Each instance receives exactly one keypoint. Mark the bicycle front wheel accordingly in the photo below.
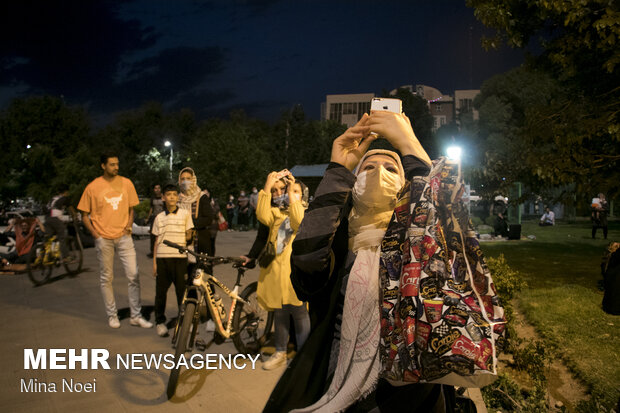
(73, 262)
(182, 346)
(251, 323)
(38, 272)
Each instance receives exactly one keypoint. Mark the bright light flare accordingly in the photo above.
(454, 152)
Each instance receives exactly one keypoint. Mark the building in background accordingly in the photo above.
(445, 109)
(464, 102)
(441, 106)
(346, 109)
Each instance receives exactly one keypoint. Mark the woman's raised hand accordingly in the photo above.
(348, 148)
(271, 180)
(396, 128)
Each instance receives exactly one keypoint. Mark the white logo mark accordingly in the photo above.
(114, 201)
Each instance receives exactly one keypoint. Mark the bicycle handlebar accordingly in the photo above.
(204, 257)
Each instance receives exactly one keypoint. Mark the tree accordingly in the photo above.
(139, 135)
(416, 109)
(44, 137)
(299, 141)
(528, 134)
(230, 155)
(581, 119)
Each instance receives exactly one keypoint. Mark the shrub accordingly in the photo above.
(532, 357)
(142, 209)
(476, 221)
(507, 281)
(490, 220)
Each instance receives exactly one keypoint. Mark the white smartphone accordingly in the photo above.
(386, 104)
(283, 173)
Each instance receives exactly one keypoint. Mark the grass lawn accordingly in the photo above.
(562, 267)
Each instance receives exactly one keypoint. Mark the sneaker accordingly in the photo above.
(140, 321)
(162, 330)
(210, 326)
(113, 322)
(278, 359)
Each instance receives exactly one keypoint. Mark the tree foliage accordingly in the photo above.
(576, 35)
(43, 137)
(139, 137)
(230, 155)
(555, 121)
(416, 109)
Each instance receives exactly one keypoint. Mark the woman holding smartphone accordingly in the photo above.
(337, 260)
(281, 206)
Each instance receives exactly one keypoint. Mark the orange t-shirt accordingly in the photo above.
(108, 205)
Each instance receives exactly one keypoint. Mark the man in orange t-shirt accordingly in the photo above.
(107, 212)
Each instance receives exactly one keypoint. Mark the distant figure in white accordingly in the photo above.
(548, 218)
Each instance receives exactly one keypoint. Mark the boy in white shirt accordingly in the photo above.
(169, 265)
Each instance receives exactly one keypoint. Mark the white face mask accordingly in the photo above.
(185, 185)
(376, 188)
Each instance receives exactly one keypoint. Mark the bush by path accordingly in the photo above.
(561, 268)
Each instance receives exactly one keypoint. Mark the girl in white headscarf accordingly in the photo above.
(199, 205)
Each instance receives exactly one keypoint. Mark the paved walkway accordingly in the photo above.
(69, 313)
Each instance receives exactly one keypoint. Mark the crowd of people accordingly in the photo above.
(241, 212)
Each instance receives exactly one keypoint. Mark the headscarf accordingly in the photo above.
(357, 367)
(305, 193)
(283, 200)
(285, 232)
(374, 198)
(192, 194)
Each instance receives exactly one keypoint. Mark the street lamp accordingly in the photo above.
(454, 152)
(169, 144)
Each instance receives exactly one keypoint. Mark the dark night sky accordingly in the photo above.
(212, 56)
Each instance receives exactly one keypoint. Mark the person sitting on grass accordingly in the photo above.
(548, 218)
(169, 265)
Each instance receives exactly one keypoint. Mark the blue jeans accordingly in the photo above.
(106, 248)
(282, 325)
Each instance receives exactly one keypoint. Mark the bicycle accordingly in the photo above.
(247, 323)
(46, 255)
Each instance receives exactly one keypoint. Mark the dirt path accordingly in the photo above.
(563, 386)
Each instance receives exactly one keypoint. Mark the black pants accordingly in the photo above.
(242, 219)
(500, 227)
(212, 249)
(422, 398)
(13, 258)
(169, 271)
(595, 227)
(153, 238)
(54, 226)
